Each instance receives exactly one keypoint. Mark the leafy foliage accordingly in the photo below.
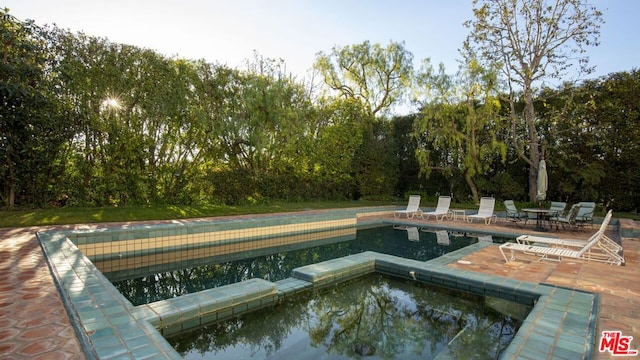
(593, 132)
(33, 122)
(374, 75)
(459, 123)
(531, 41)
(84, 121)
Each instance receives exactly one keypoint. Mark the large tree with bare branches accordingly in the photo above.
(532, 41)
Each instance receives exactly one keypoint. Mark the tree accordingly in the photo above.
(372, 74)
(531, 40)
(458, 122)
(32, 124)
(616, 105)
(376, 77)
(595, 136)
(257, 122)
(137, 134)
(335, 142)
(409, 178)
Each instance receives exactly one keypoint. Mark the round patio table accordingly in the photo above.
(541, 214)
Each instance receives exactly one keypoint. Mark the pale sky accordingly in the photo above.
(228, 31)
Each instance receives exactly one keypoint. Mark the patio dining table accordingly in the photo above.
(541, 216)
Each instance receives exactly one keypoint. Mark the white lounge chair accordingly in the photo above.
(413, 207)
(442, 209)
(567, 243)
(598, 247)
(572, 243)
(485, 211)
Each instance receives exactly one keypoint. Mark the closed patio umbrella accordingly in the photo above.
(542, 181)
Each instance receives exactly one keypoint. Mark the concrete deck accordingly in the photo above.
(34, 323)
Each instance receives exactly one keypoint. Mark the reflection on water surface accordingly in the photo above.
(377, 317)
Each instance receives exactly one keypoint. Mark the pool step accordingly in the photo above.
(193, 310)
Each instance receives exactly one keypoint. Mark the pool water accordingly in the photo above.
(143, 286)
(376, 316)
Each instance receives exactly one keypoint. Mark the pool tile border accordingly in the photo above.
(193, 310)
(562, 321)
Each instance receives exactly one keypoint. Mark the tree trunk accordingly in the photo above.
(472, 186)
(534, 142)
(11, 199)
(12, 196)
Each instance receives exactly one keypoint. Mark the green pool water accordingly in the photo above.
(374, 317)
(144, 285)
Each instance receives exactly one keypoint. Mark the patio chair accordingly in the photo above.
(569, 219)
(605, 241)
(567, 243)
(598, 247)
(512, 213)
(559, 242)
(585, 215)
(556, 209)
(413, 207)
(442, 209)
(485, 211)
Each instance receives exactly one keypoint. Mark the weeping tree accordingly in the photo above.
(531, 41)
(458, 121)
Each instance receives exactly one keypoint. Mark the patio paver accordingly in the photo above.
(33, 321)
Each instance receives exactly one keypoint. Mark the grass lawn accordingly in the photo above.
(78, 215)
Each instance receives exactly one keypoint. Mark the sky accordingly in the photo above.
(229, 31)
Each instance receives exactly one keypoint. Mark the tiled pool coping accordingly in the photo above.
(561, 324)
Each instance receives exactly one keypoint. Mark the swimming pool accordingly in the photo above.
(109, 326)
(375, 316)
(146, 284)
